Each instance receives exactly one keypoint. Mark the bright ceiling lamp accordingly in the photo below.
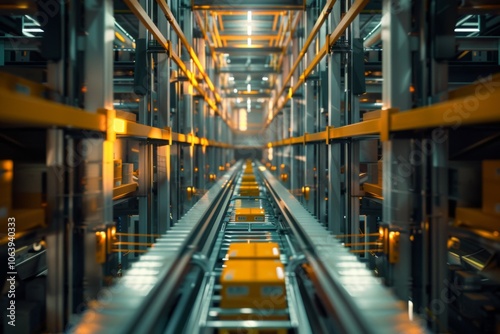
(249, 16)
(249, 30)
(467, 30)
(249, 88)
(249, 41)
(265, 78)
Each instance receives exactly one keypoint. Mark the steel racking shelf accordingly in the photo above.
(440, 115)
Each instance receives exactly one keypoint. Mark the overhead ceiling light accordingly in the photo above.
(249, 30)
(231, 78)
(235, 90)
(33, 30)
(238, 100)
(265, 78)
(467, 30)
(249, 41)
(249, 88)
(249, 16)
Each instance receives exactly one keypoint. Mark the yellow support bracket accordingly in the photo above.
(110, 123)
(385, 123)
(327, 137)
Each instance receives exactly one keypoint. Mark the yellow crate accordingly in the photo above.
(268, 250)
(253, 250)
(248, 178)
(258, 284)
(241, 250)
(249, 191)
(249, 184)
(249, 215)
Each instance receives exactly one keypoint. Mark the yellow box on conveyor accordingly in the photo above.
(248, 178)
(253, 250)
(258, 284)
(249, 184)
(249, 191)
(249, 215)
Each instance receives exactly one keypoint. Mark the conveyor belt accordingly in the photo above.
(134, 303)
(208, 316)
(146, 299)
(359, 300)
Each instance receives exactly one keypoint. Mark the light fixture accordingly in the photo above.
(32, 30)
(249, 16)
(249, 30)
(249, 41)
(265, 78)
(235, 90)
(249, 88)
(231, 78)
(467, 30)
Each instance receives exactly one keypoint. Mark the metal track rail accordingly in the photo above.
(353, 297)
(207, 316)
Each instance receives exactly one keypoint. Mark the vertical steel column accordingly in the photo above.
(56, 303)
(334, 91)
(438, 228)
(212, 167)
(202, 153)
(310, 109)
(163, 152)
(352, 148)
(99, 72)
(145, 189)
(294, 114)
(163, 188)
(438, 218)
(163, 77)
(100, 28)
(175, 108)
(321, 124)
(218, 150)
(188, 165)
(397, 209)
(397, 172)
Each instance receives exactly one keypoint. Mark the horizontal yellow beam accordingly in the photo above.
(480, 107)
(124, 190)
(371, 127)
(19, 109)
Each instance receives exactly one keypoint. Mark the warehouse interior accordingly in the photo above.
(254, 167)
